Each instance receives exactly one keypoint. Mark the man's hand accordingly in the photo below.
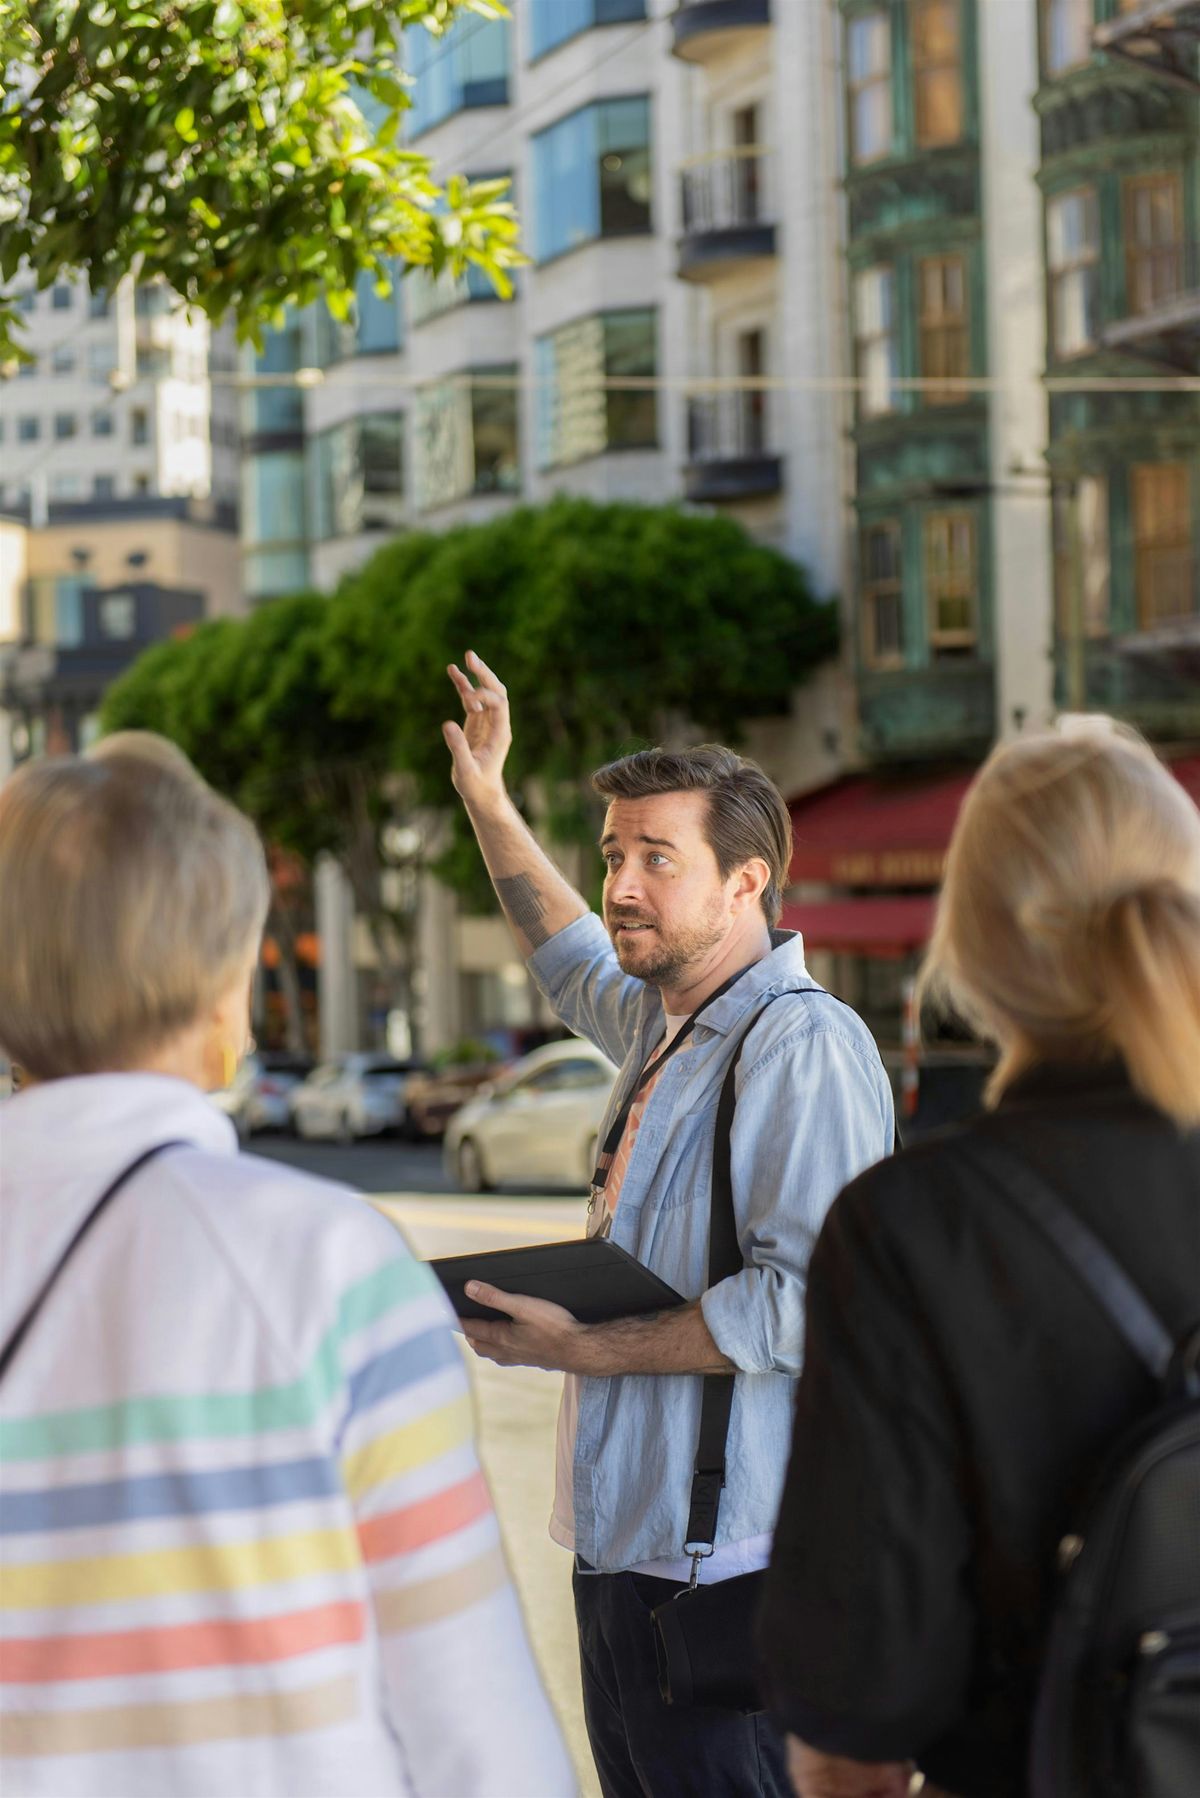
(479, 746)
(540, 1334)
(544, 1335)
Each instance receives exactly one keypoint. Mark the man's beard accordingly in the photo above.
(662, 959)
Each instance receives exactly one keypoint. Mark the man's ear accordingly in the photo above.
(750, 883)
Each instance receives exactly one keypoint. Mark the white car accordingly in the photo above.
(539, 1123)
(352, 1096)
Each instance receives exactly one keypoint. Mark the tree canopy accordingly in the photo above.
(249, 154)
(612, 626)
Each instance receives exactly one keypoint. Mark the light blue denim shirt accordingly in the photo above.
(814, 1108)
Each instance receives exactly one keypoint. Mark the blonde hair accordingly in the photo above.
(1069, 923)
(131, 896)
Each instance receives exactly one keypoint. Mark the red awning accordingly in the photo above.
(869, 832)
(1187, 772)
(885, 929)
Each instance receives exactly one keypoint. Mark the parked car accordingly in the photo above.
(257, 1098)
(356, 1095)
(434, 1097)
(539, 1123)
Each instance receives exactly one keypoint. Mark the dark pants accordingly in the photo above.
(642, 1747)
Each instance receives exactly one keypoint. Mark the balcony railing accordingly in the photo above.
(727, 213)
(725, 191)
(728, 437)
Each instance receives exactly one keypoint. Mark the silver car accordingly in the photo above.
(352, 1096)
(539, 1123)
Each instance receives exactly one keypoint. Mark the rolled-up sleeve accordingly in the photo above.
(812, 1113)
(581, 978)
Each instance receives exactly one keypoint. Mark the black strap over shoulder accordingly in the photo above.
(9, 1351)
(724, 1260)
(1120, 1300)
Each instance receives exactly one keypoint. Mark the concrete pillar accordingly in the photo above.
(336, 985)
(1012, 212)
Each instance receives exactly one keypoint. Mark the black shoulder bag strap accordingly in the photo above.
(1088, 1258)
(9, 1351)
(724, 1260)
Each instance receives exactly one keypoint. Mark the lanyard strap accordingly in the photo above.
(612, 1141)
(9, 1351)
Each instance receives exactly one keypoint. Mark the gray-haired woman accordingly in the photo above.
(247, 1546)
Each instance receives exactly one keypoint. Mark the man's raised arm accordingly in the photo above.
(538, 901)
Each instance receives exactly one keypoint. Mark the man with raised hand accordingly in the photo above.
(696, 846)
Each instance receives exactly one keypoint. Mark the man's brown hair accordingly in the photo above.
(746, 816)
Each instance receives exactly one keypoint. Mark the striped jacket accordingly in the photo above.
(246, 1544)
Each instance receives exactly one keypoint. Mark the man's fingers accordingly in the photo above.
(466, 692)
(509, 1302)
(484, 674)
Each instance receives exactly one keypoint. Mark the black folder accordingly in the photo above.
(590, 1277)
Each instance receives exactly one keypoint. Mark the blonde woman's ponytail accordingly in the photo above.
(1147, 945)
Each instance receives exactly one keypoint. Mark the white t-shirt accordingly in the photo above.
(731, 1558)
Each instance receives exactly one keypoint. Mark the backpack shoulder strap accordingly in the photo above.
(9, 1351)
(1121, 1301)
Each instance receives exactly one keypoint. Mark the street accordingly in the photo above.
(517, 1406)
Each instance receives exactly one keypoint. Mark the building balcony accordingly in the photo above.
(914, 714)
(728, 454)
(706, 29)
(1163, 323)
(726, 215)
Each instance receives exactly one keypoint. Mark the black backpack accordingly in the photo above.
(1118, 1711)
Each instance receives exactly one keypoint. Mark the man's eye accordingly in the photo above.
(656, 857)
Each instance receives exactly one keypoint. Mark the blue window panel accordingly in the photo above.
(591, 176)
(377, 317)
(466, 67)
(552, 22)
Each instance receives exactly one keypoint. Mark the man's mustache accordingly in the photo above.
(626, 917)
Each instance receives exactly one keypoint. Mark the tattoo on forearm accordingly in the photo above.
(525, 906)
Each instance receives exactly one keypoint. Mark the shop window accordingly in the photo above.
(1073, 257)
(937, 71)
(1153, 241)
(882, 596)
(877, 353)
(578, 414)
(1082, 564)
(1165, 574)
(869, 61)
(945, 342)
(592, 176)
(951, 581)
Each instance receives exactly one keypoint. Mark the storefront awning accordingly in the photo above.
(869, 832)
(884, 929)
(865, 831)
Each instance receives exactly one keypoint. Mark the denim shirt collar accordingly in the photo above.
(784, 966)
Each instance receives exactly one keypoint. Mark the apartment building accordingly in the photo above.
(127, 395)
